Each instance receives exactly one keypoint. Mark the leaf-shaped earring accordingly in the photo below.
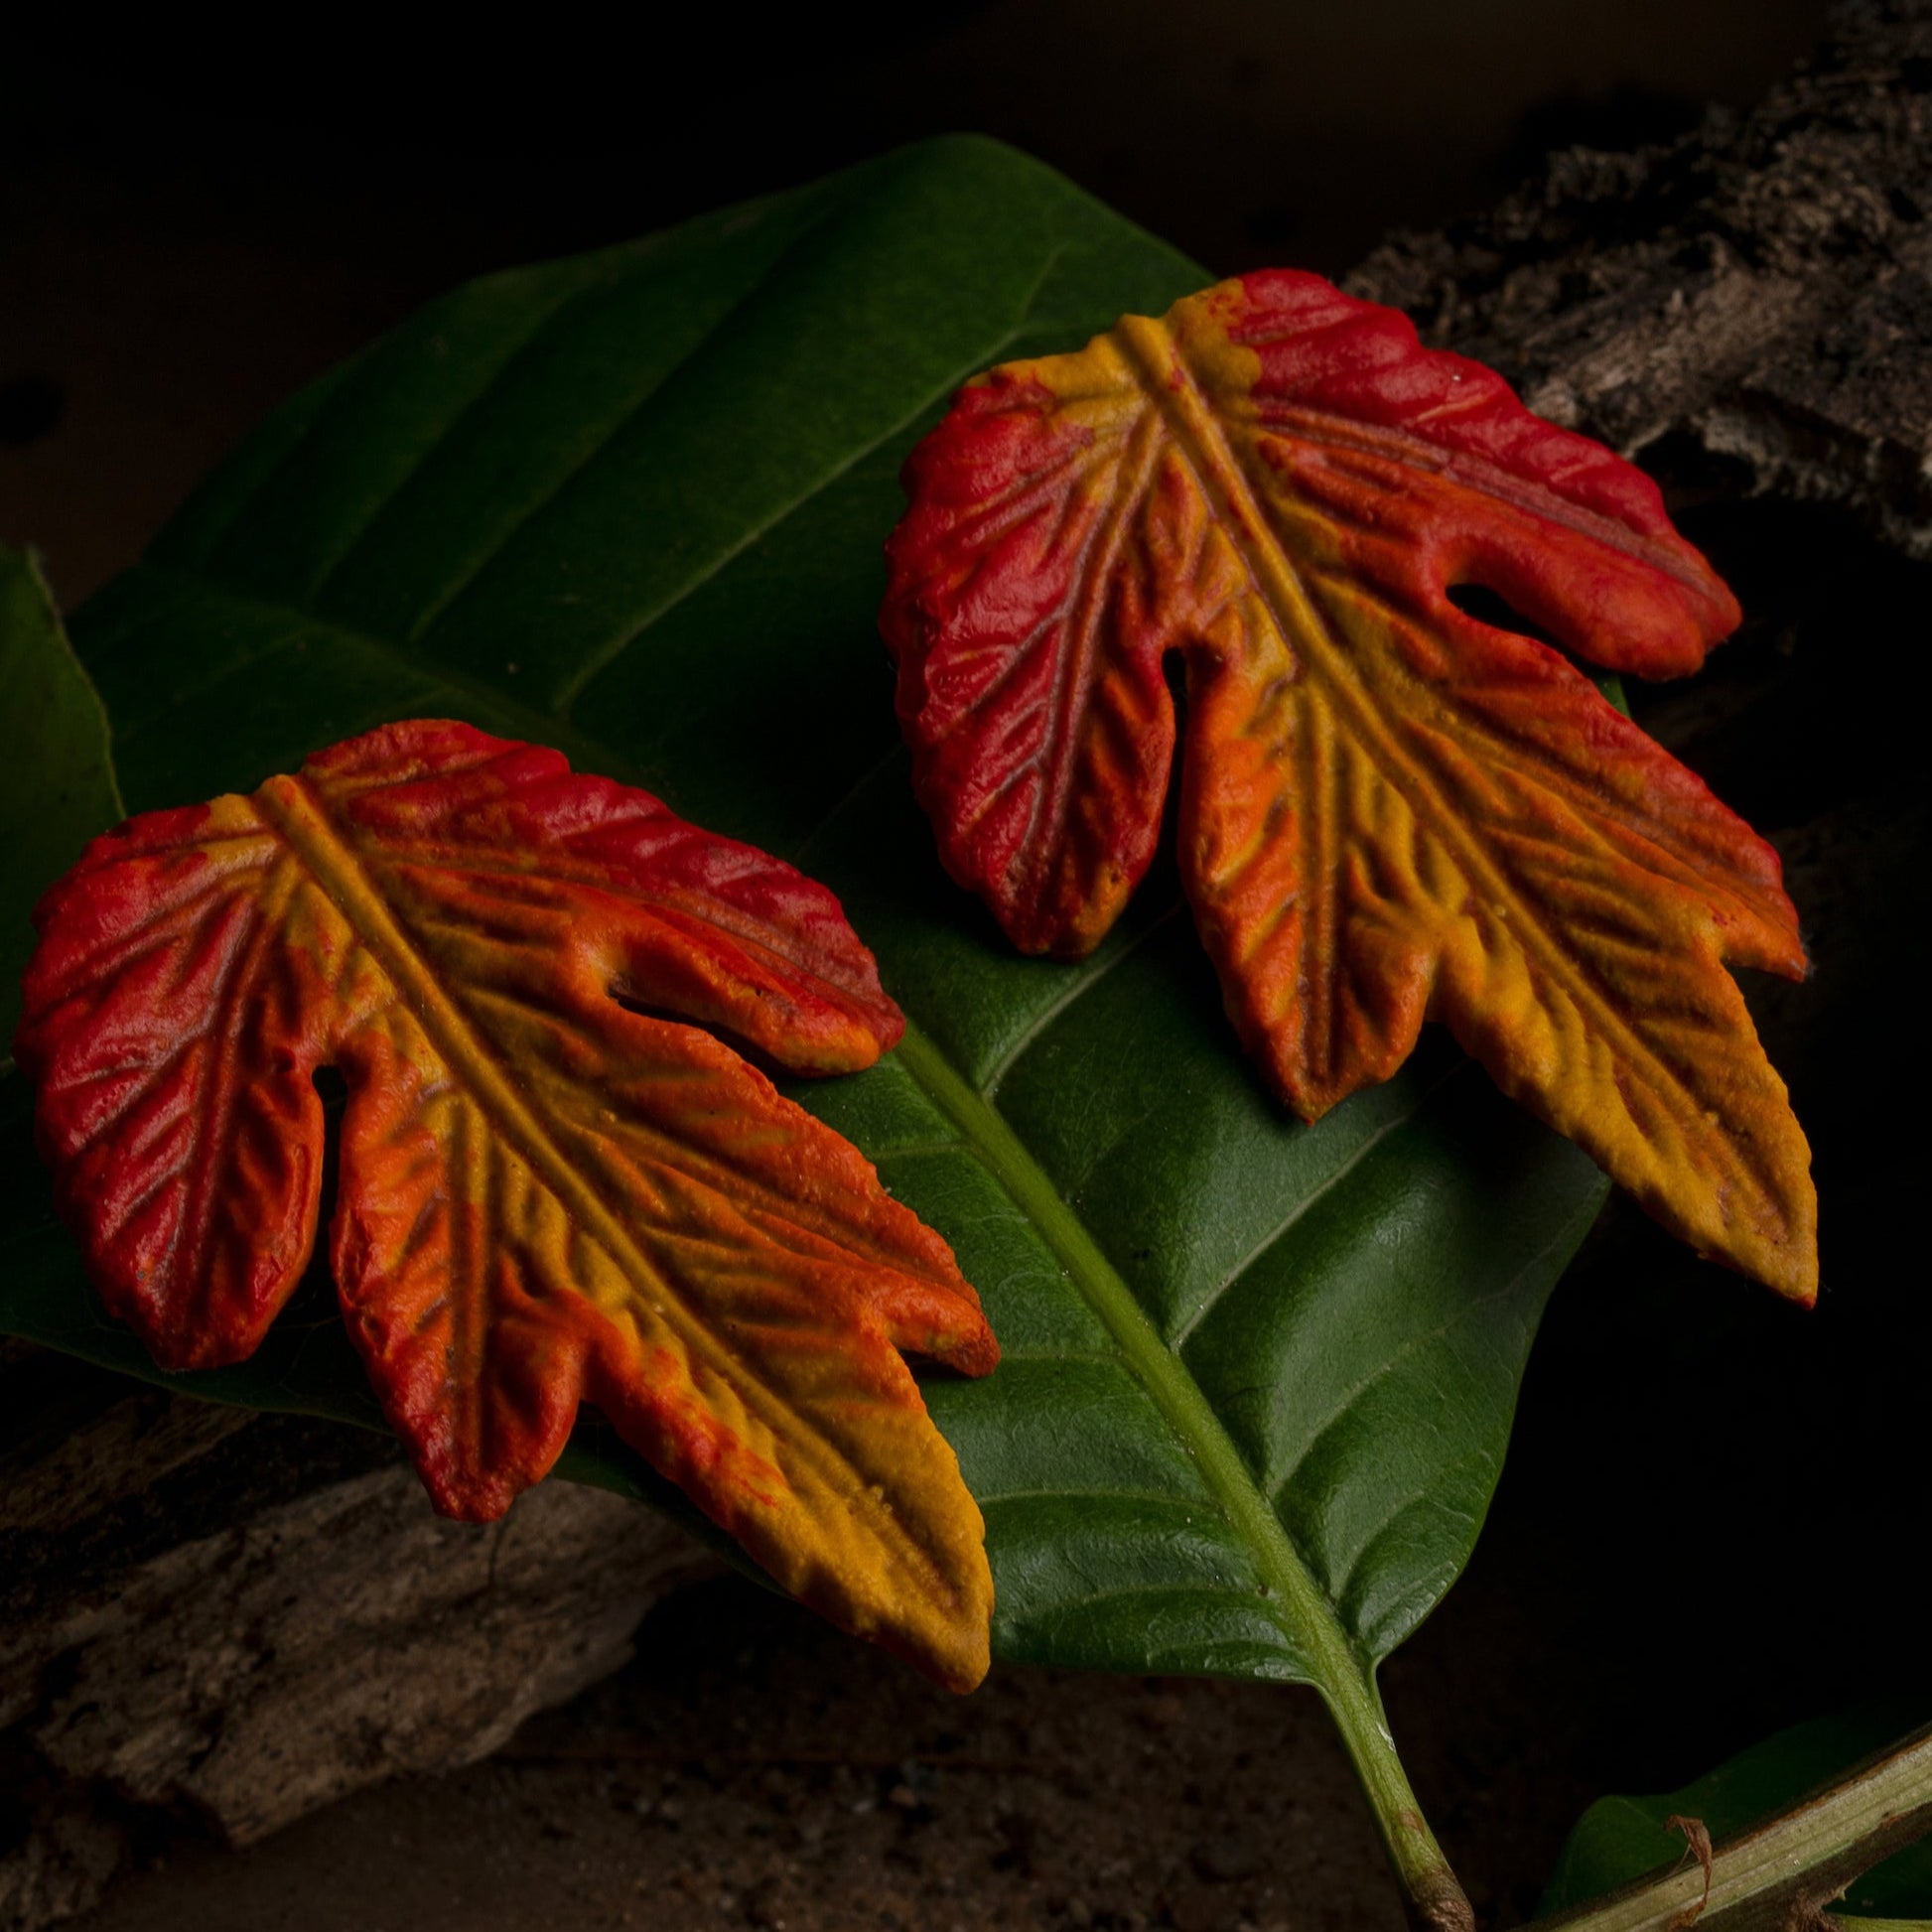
(545, 1197)
(1389, 810)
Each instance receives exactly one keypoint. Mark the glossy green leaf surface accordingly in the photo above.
(1257, 1378)
(57, 782)
(1619, 1839)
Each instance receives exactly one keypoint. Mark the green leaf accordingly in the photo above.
(1618, 1840)
(57, 782)
(1257, 1377)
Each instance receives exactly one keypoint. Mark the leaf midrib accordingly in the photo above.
(303, 822)
(1307, 1617)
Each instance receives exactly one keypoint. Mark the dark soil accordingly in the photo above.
(753, 1769)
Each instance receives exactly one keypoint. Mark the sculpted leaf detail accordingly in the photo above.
(548, 1192)
(1389, 810)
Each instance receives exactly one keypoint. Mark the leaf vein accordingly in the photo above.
(606, 654)
(1095, 972)
(1205, 1307)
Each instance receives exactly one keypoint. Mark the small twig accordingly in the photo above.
(1782, 1873)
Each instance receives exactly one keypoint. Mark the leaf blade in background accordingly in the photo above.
(57, 784)
(1623, 1838)
(1099, 1157)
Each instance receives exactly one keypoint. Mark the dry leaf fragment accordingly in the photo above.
(544, 1198)
(1389, 810)
(1697, 1844)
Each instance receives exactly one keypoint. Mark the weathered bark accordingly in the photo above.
(1761, 288)
(240, 1618)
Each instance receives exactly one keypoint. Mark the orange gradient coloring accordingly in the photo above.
(552, 1191)
(1389, 810)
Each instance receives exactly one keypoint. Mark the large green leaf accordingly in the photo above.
(1258, 1378)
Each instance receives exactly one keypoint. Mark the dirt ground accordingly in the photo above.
(753, 1770)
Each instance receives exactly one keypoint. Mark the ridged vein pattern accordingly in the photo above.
(549, 1192)
(1389, 810)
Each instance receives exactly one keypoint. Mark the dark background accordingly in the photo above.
(1693, 1542)
(191, 225)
